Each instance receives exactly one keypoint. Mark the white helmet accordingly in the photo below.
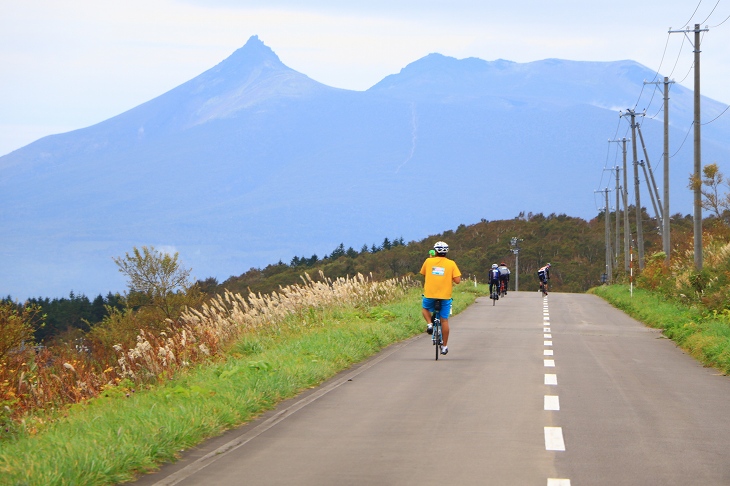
(494, 265)
(441, 248)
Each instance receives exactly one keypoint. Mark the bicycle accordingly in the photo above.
(438, 336)
(502, 288)
(543, 288)
(495, 293)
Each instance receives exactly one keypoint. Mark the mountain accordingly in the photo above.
(252, 162)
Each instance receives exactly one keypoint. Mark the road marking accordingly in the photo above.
(552, 402)
(554, 439)
(553, 435)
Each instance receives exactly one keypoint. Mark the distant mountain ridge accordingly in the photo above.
(252, 162)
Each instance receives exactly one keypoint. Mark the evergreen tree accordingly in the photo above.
(338, 252)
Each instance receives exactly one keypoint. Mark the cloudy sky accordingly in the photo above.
(71, 64)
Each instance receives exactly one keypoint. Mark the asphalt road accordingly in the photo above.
(560, 391)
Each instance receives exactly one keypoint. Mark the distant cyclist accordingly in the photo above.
(440, 274)
(494, 280)
(544, 275)
(504, 276)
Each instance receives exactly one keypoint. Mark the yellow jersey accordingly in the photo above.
(440, 273)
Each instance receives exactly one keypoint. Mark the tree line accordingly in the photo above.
(75, 312)
(575, 248)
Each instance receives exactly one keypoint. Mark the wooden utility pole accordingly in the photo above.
(627, 226)
(618, 227)
(697, 146)
(697, 157)
(666, 244)
(625, 199)
(665, 234)
(637, 190)
(515, 244)
(609, 256)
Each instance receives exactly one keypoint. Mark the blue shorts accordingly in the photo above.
(429, 305)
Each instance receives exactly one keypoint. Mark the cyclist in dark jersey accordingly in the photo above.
(544, 275)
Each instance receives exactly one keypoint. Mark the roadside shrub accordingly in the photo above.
(655, 273)
(136, 347)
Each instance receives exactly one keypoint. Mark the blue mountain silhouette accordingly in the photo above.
(251, 162)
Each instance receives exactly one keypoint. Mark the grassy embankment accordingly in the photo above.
(111, 438)
(705, 336)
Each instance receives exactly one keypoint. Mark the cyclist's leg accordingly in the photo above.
(427, 307)
(445, 314)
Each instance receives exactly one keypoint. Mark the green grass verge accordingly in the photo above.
(705, 337)
(114, 438)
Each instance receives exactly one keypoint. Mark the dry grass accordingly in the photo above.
(33, 379)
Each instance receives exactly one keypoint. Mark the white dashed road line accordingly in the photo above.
(558, 482)
(552, 402)
(554, 439)
(553, 435)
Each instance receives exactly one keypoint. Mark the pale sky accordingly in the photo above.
(71, 64)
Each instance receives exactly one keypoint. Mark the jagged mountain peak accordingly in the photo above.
(253, 54)
(252, 75)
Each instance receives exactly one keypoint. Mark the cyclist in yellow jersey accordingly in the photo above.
(440, 274)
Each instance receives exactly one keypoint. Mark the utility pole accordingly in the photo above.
(515, 244)
(625, 198)
(697, 147)
(614, 257)
(627, 226)
(618, 229)
(666, 246)
(665, 235)
(609, 256)
(637, 190)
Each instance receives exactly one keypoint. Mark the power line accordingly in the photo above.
(678, 56)
(690, 70)
(685, 139)
(718, 116)
(718, 25)
(693, 13)
(711, 12)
